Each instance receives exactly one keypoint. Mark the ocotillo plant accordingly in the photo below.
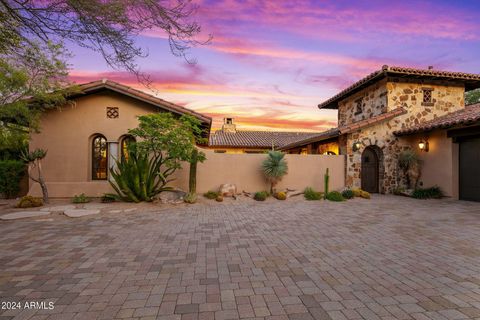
(326, 179)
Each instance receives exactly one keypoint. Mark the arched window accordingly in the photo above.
(99, 158)
(124, 143)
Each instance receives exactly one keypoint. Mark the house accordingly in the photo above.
(84, 139)
(231, 140)
(397, 108)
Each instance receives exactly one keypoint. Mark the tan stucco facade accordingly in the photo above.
(67, 136)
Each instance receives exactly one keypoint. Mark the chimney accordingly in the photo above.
(430, 67)
(228, 125)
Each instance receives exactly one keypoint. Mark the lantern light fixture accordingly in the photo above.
(423, 145)
(356, 146)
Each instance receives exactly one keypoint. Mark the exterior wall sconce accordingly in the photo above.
(423, 145)
(356, 146)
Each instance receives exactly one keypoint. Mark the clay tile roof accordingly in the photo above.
(255, 139)
(129, 91)
(373, 120)
(325, 135)
(335, 132)
(470, 80)
(469, 115)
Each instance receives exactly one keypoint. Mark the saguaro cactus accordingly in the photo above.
(326, 179)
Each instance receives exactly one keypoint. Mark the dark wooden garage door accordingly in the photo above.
(369, 174)
(470, 169)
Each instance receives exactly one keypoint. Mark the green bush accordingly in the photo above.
(211, 195)
(428, 193)
(348, 194)
(261, 195)
(190, 198)
(11, 172)
(29, 202)
(106, 198)
(311, 194)
(335, 196)
(81, 198)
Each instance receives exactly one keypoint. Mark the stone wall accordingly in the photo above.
(398, 94)
(374, 102)
(445, 99)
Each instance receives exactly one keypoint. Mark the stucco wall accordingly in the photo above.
(67, 135)
(440, 163)
(244, 170)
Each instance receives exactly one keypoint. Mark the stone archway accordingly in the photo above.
(372, 168)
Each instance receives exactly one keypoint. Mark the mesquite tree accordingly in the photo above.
(34, 161)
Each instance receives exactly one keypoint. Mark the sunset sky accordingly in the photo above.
(271, 62)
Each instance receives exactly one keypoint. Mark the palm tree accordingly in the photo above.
(274, 168)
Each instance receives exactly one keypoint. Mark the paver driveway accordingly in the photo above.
(387, 258)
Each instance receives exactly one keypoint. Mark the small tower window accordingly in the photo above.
(359, 106)
(228, 120)
(427, 97)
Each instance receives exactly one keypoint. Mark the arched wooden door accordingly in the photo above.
(369, 173)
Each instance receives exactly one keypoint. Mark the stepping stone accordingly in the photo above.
(77, 213)
(24, 214)
(58, 208)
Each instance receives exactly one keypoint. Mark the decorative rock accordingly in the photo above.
(228, 190)
(130, 210)
(115, 211)
(58, 208)
(173, 196)
(24, 214)
(77, 213)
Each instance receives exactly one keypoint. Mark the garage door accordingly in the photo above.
(470, 169)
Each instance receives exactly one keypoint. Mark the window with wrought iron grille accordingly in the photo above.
(427, 97)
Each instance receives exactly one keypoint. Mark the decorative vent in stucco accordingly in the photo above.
(112, 112)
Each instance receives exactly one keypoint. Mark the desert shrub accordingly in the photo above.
(335, 196)
(190, 198)
(347, 194)
(107, 198)
(11, 172)
(211, 195)
(81, 198)
(311, 194)
(29, 202)
(219, 198)
(261, 195)
(274, 168)
(357, 192)
(428, 193)
(280, 195)
(364, 194)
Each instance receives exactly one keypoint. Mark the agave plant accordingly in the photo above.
(409, 162)
(274, 168)
(138, 177)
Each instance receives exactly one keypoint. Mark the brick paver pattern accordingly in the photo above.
(385, 258)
